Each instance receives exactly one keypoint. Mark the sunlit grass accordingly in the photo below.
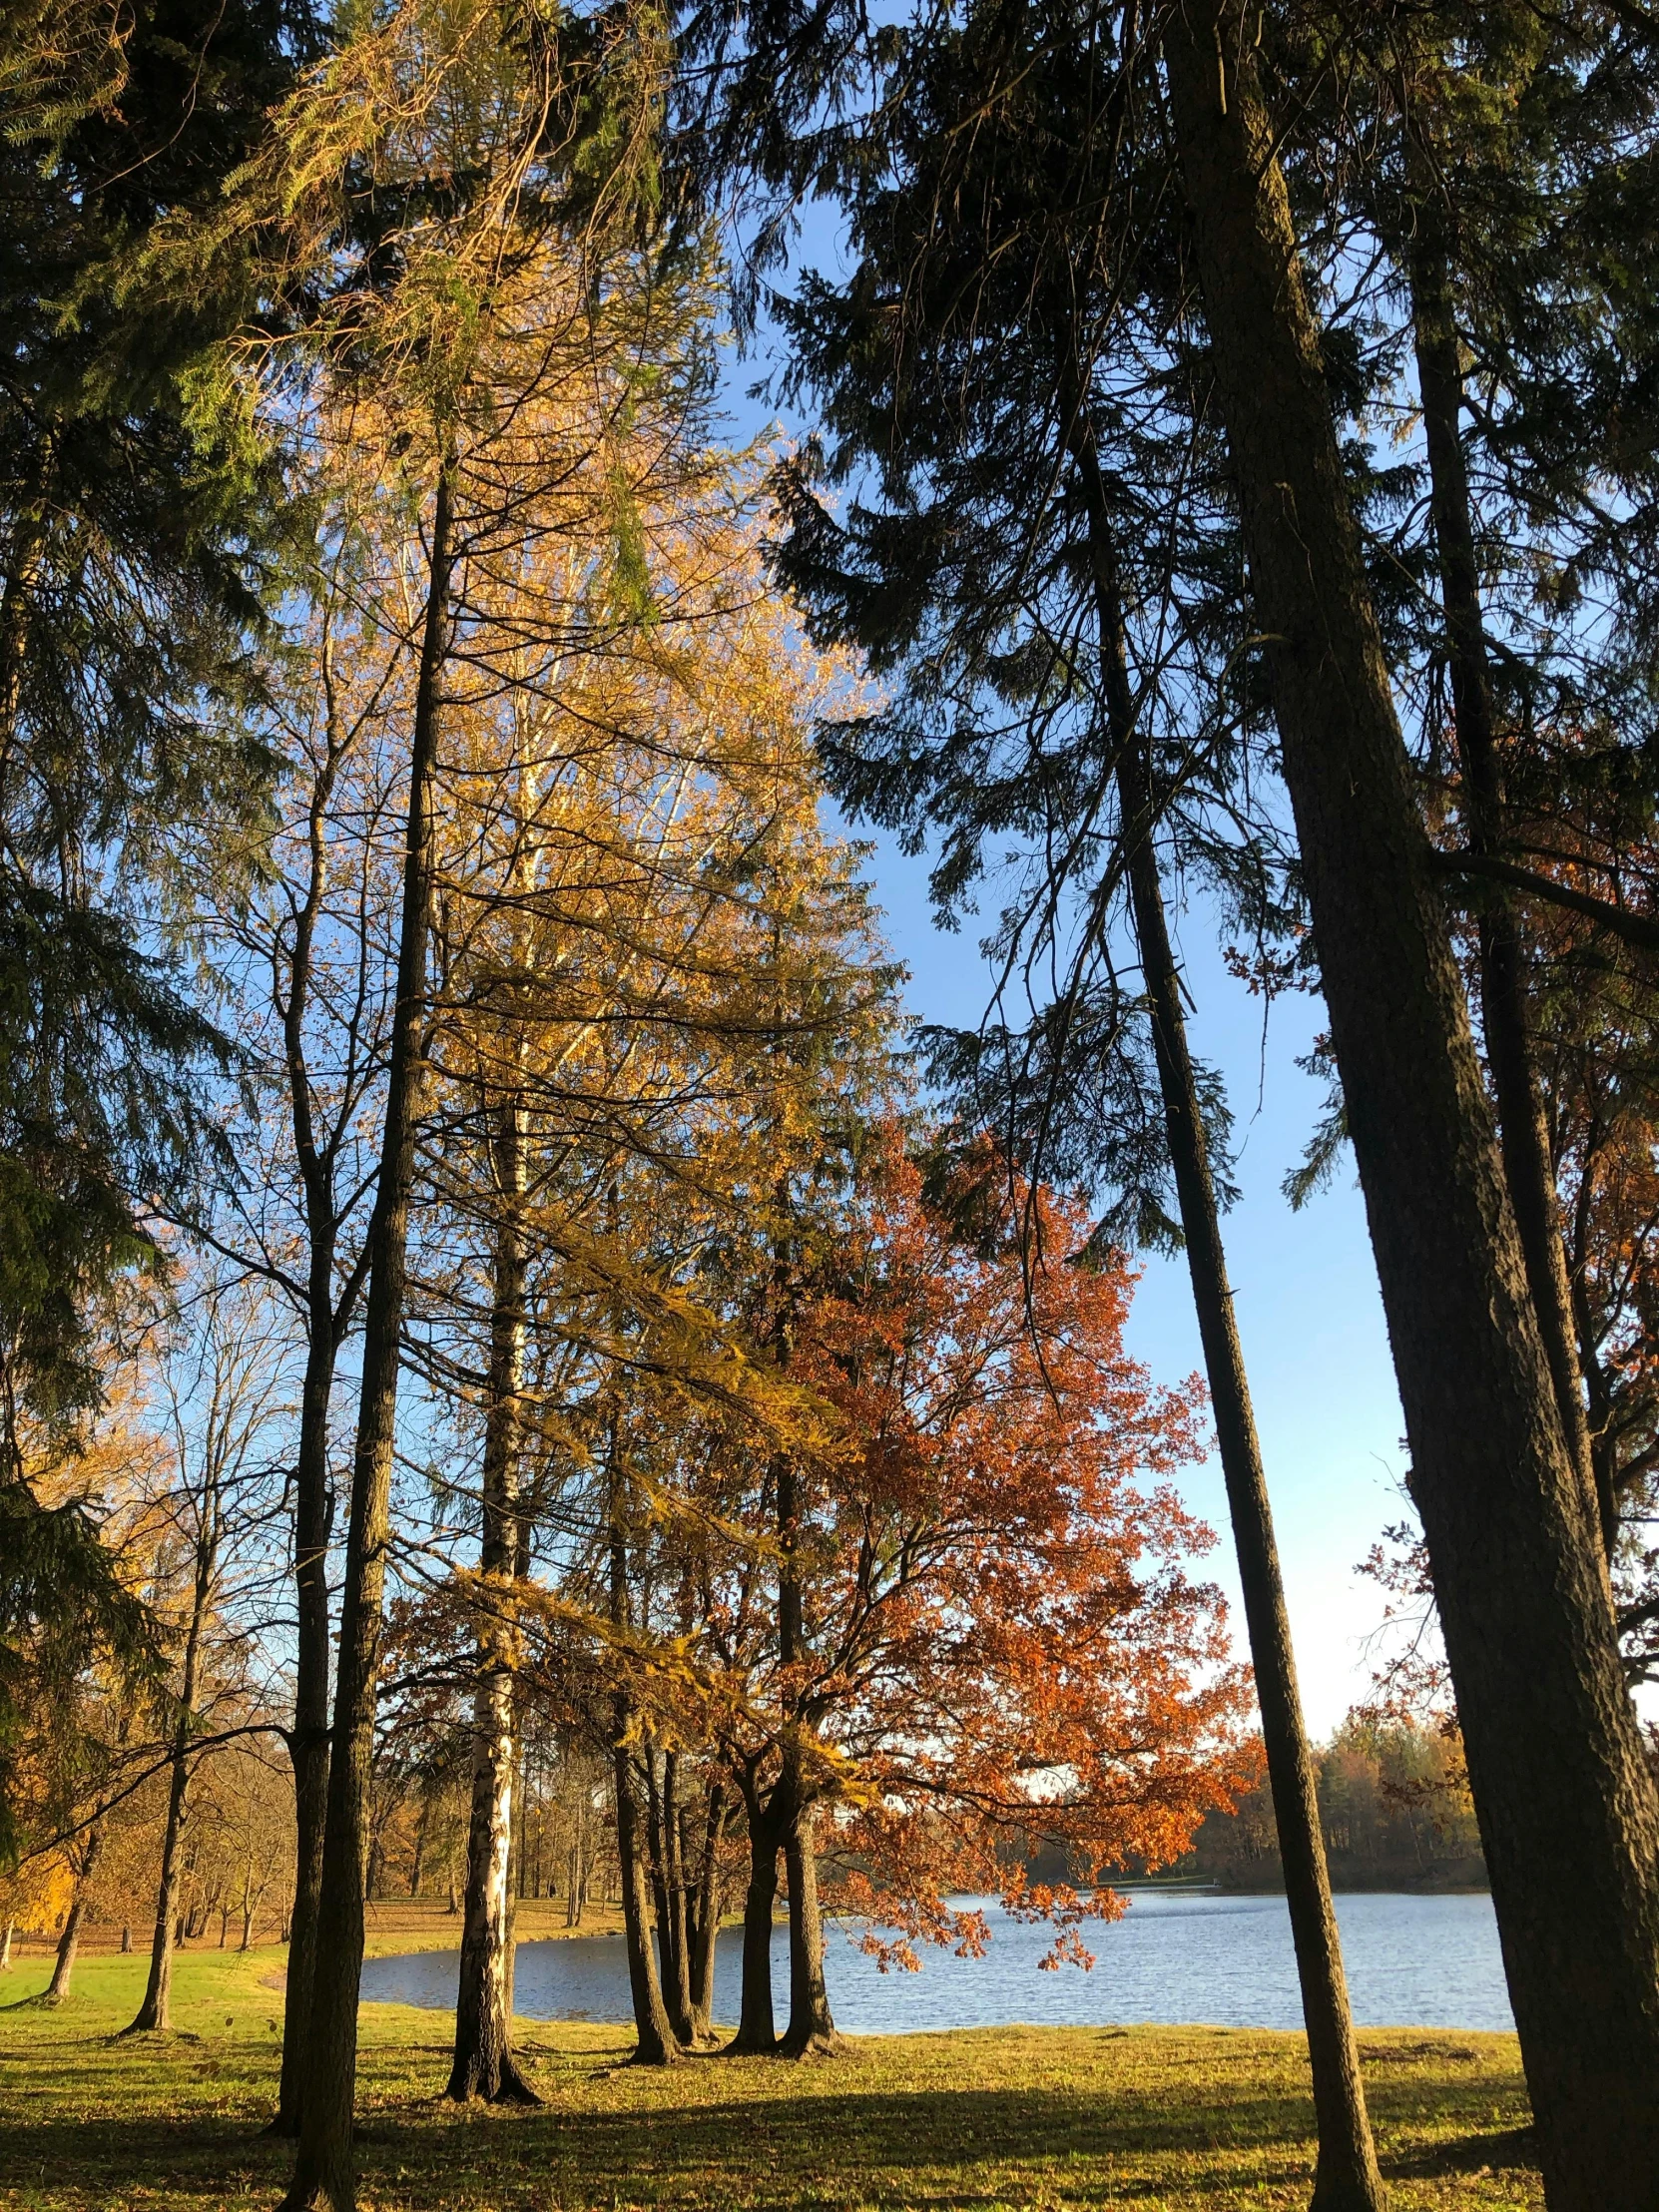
(995, 2119)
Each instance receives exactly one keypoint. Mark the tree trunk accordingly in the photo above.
(812, 2030)
(324, 2171)
(483, 2063)
(153, 2013)
(757, 2028)
(63, 1966)
(1524, 1127)
(1554, 1753)
(658, 2044)
(705, 1931)
(327, 1323)
(6, 1947)
(670, 1887)
(1346, 2179)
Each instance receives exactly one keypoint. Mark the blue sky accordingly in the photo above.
(1305, 1292)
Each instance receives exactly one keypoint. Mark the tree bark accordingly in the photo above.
(484, 2063)
(670, 1908)
(325, 2169)
(1555, 1758)
(812, 2030)
(757, 2027)
(1346, 2179)
(327, 1320)
(656, 2043)
(154, 2012)
(705, 1929)
(1524, 1127)
(63, 1966)
(6, 1947)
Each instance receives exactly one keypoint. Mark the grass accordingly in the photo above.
(996, 2120)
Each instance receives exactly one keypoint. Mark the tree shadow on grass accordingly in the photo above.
(1512, 2149)
(765, 2146)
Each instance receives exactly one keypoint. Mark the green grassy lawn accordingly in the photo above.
(995, 2120)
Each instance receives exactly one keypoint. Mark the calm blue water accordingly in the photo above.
(1176, 1957)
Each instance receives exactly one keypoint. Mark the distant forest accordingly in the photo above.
(1396, 1808)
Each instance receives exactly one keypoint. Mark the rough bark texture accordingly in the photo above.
(1555, 1758)
(324, 2171)
(1522, 1125)
(63, 1966)
(757, 2025)
(812, 2030)
(1347, 2179)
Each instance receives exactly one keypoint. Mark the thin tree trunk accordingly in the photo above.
(1554, 1753)
(326, 1322)
(153, 2013)
(483, 2063)
(1524, 1127)
(324, 2170)
(812, 2030)
(63, 1966)
(658, 2044)
(706, 1919)
(6, 1947)
(1348, 2179)
(677, 1966)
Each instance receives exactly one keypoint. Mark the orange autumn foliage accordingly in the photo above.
(1007, 1650)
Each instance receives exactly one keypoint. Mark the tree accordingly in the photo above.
(996, 1645)
(1018, 421)
(131, 539)
(1554, 1753)
(222, 1384)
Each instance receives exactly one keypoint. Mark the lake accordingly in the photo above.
(1176, 1957)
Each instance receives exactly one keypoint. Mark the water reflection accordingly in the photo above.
(1176, 1957)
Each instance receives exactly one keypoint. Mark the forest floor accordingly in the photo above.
(996, 2120)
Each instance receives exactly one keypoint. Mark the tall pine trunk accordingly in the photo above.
(483, 2063)
(325, 2169)
(1524, 1127)
(1554, 1753)
(1348, 2179)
